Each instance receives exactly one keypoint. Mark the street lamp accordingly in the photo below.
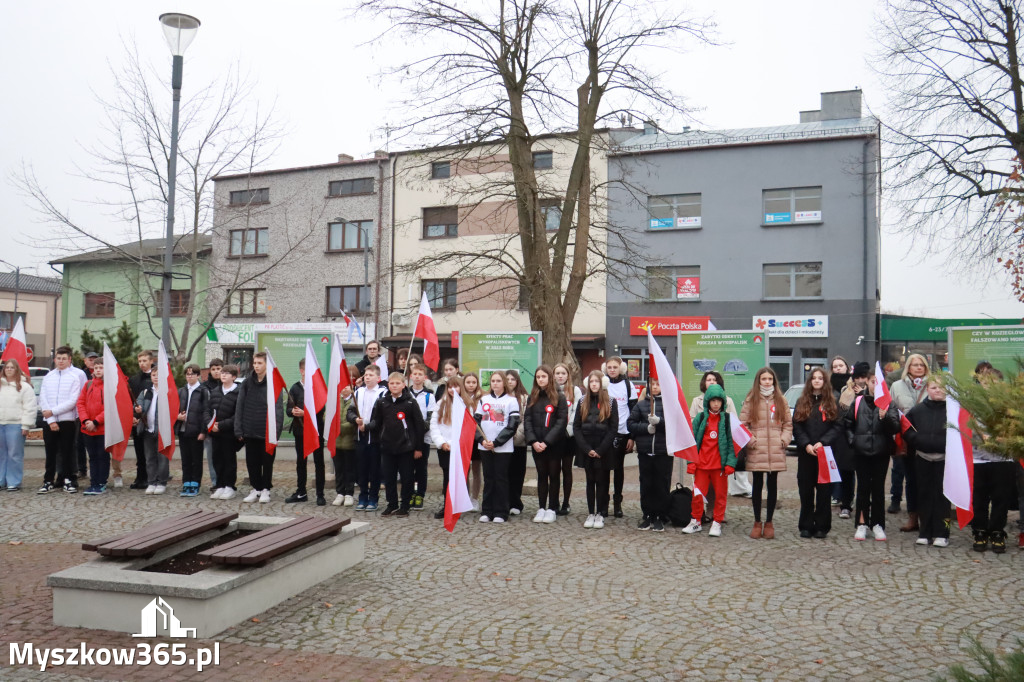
(179, 30)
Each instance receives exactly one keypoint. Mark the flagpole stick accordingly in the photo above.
(411, 341)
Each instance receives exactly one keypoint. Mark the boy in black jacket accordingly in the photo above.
(398, 424)
(223, 399)
(137, 384)
(296, 409)
(212, 382)
(194, 401)
(648, 430)
(620, 389)
(927, 442)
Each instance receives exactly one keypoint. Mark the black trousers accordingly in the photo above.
(846, 488)
(60, 452)
(618, 472)
(567, 457)
(815, 498)
(225, 460)
(302, 464)
(772, 498)
(259, 463)
(344, 471)
(598, 476)
(549, 466)
(871, 489)
(655, 480)
(394, 465)
(192, 454)
(903, 473)
(80, 452)
(495, 500)
(444, 458)
(419, 470)
(994, 486)
(932, 506)
(140, 458)
(516, 477)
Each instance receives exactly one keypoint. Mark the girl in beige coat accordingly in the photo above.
(767, 415)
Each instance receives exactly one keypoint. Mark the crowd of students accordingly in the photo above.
(391, 424)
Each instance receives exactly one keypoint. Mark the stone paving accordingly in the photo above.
(552, 602)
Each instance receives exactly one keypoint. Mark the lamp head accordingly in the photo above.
(179, 30)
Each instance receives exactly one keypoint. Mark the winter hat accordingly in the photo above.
(714, 391)
(861, 369)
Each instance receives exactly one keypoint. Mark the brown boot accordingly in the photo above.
(911, 524)
(756, 533)
(769, 531)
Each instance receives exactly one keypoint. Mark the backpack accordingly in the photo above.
(679, 505)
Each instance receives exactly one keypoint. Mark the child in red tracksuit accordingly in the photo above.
(716, 460)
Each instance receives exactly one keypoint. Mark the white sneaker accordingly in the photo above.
(598, 521)
(118, 482)
(349, 501)
(921, 541)
(550, 516)
(716, 530)
(227, 493)
(484, 518)
(862, 533)
(215, 495)
(498, 519)
(940, 542)
(252, 496)
(693, 527)
(542, 515)
(515, 512)
(339, 500)
(879, 532)
(476, 505)
(150, 489)
(589, 523)
(264, 496)
(160, 490)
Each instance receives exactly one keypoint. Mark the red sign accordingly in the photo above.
(29, 354)
(687, 287)
(455, 339)
(667, 326)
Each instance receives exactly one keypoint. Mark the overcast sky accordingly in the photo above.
(307, 61)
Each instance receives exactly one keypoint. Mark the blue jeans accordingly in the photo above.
(12, 454)
(99, 460)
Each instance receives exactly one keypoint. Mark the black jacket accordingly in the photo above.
(297, 398)
(929, 433)
(366, 362)
(251, 409)
(397, 433)
(537, 414)
(198, 411)
(869, 435)
(815, 429)
(138, 383)
(647, 443)
(593, 434)
(224, 406)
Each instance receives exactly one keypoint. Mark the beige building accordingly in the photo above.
(39, 303)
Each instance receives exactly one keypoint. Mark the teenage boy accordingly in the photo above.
(367, 448)
(58, 399)
(424, 397)
(620, 389)
(211, 383)
(648, 428)
(157, 465)
(138, 383)
(345, 454)
(398, 423)
(372, 353)
(716, 460)
(194, 403)
(296, 408)
(251, 426)
(88, 365)
(223, 400)
(90, 415)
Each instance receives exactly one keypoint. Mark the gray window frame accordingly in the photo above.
(793, 199)
(263, 232)
(793, 273)
(335, 187)
(436, 172)
(677, 272)
(450, 290)
(676, 201)
(249, 197)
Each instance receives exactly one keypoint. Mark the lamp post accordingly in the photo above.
(179, 30)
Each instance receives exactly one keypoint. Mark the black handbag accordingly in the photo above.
(741, 460)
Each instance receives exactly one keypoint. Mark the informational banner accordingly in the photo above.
(778, 217)
(667, 326)
(897, 328)
(487, 352)
(792, 325)
(687, 287)
(1002, 346)
(736, 355)
(244, 334)
(808, 216)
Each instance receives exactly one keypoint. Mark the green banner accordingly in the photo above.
(486, 352)
(899, 328)
(736, 355)
(1001, 346)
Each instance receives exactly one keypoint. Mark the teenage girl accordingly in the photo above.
(517, 465)
(572, 394)
(766, 414)
(441, 434)
(595, 428)
(545, 419)
(498, 415)
(473, 393)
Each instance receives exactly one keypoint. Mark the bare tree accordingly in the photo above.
(955, 123)
(511, 73)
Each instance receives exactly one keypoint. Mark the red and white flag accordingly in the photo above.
(314, 397)
(117, 407)
(828, 471)
(741, 435)
(213, 421)
(339, 379)
(425, 330)
(958, 480)
(167, 405)
(17, 349)
(382, 362)
(882, 397)
(458, 501)
(275, 384)
(678, 430)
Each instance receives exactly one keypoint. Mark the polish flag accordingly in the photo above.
(678, 431)
(314, 393)
(828, 471)
(117, 401)
(16, 348)
(275, 384)
(457, 501)
(741, 435)
(340, 378)
(882, 397)
(167, 406)
(958, 481)
(426, 331)
(213, 421)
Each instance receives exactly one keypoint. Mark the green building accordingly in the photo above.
(902, 335)
(102, 288)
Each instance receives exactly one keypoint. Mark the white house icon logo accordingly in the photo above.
(158, 617)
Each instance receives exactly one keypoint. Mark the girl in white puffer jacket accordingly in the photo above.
(17, 416)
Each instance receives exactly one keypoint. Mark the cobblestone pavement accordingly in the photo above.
(537, 601)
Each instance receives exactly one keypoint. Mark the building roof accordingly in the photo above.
(300, 169)
(30, 283)
(147, 248)
(796, 132)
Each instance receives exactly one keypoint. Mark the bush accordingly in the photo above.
(1006, 668)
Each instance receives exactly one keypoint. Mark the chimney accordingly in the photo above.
(835, 106)
(650, 128)
(345, 158)
(380, 154)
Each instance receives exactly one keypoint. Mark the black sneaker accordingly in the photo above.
(657, 526)
(564, 511)
(389, 511)
(321, 501)
(998, 538)
(981, 541)
(46, 488)
(70, 488)
(820, 534)
(894, 508)
(138, 485)
(645, 524)
(402, 512)
(439, 514)
(296, 497)
(805, 534)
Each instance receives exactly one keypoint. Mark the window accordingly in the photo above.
(351, 236)
(441, 222)
(551, 212)
(99, 305)
(674, 211)
(247, 197)
(677, 283)
(794, 205)
(250, 242)
(543, 160)
(341, 188)
(241, 356)
(350, 299)
(247, 302)
(440, 170)
(792, 280)
(7, 319)
(440, 293)
(180, 299)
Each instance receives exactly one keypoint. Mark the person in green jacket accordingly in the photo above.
(345, 455)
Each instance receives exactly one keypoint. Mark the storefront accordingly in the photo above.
(902, 335)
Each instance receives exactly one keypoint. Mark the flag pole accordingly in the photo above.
(405, 372)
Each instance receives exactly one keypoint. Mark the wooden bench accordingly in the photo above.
(271, 542)
(149, 539)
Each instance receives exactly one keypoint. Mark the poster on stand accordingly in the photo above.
(736, 355)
